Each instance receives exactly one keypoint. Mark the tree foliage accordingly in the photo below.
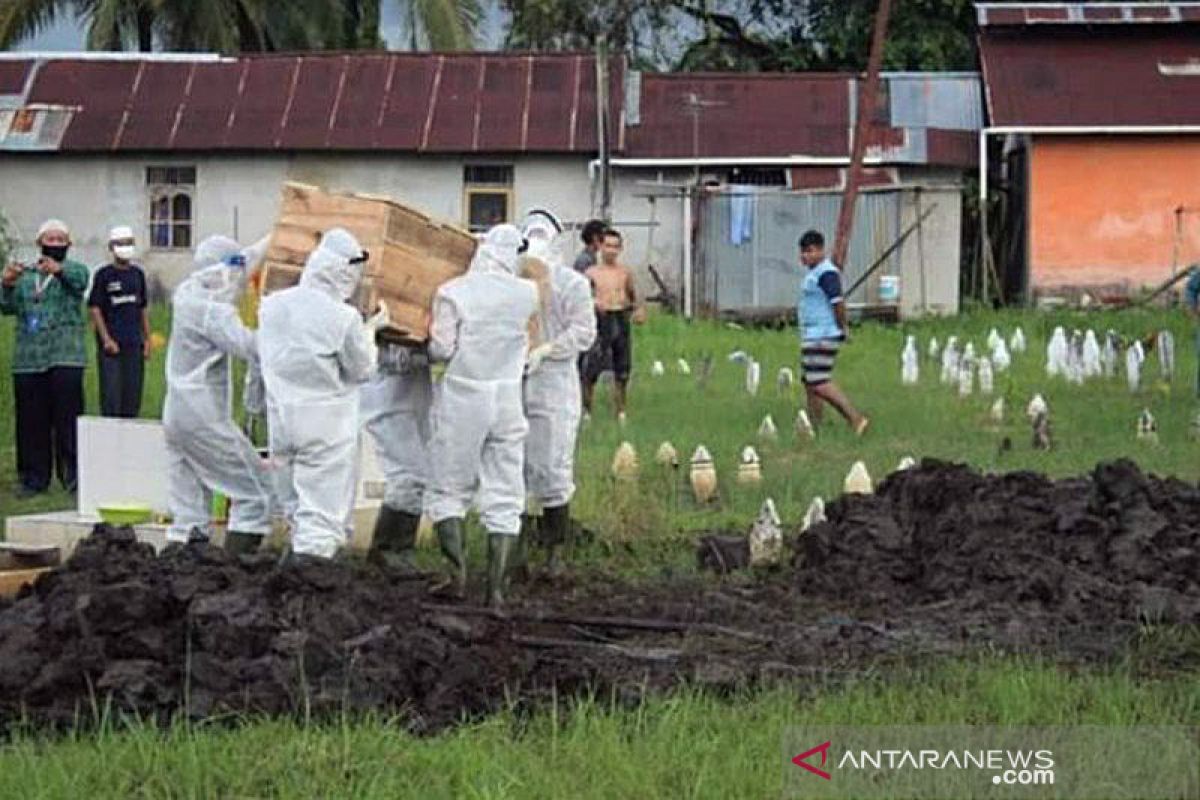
(232, 26)
(753, 35)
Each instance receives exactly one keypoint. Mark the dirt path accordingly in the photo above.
(940, 560)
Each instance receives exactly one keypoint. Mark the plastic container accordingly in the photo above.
(889, 289)
(125, 514)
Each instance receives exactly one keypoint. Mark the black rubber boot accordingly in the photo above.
(500, 548)
(238, 543)
(394, 539)
(556, 531)
(451, 536)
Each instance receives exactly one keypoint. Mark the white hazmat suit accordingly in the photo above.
(553, 398)
(480, 328)
(316, 353)
(394, 407)
(206, 452)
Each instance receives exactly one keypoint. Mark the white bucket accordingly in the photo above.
(889, 289)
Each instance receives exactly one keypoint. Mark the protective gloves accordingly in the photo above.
(536, 356)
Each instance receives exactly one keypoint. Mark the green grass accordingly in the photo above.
(689, 744)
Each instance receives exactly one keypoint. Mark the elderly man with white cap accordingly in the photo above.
(316, 352)
(206, 451)
(122, 323)
(480, 327)
(48, 357)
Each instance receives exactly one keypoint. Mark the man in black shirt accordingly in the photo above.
(118, 308)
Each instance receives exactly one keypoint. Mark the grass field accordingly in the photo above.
(691, 745)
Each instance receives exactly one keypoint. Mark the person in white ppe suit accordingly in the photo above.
(480, 328)
(206, 451)
(316, 352)
(395, 407)
(553, 398)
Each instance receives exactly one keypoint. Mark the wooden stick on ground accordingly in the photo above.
(639, 653)
(632, 623)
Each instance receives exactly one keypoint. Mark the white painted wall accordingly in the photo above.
(239, 195)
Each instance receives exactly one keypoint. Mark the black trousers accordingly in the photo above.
(121, 382)
(48, 403)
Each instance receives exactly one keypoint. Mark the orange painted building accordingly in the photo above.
(1096, 110)
(1102, 209)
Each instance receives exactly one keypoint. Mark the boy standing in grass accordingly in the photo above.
(616, 305)
(821, 314)
(118, 309)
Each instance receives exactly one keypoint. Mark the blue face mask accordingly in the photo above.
(237, 261)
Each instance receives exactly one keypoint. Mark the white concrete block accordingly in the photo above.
(121, 461)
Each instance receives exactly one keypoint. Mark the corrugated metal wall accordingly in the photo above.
(761, 271)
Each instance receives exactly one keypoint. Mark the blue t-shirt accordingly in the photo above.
(1191, 291)
(120, 294)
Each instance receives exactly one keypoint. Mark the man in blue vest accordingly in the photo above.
(821, 314)
(1191, 294)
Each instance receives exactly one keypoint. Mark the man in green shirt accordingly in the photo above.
(48, 357)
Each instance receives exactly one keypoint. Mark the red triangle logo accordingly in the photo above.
(802, 760)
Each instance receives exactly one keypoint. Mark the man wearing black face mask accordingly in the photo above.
(48, 357)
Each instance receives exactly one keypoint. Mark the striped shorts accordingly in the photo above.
(817, 358)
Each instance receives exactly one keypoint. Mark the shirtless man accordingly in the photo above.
(616, 304)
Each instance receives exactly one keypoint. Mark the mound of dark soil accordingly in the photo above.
(940, 560)
(1112, 549)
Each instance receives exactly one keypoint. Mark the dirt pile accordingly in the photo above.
(1017, 552)
(940, 560)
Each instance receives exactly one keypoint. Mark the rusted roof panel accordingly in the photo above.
(309, 113)
(714, 115)
(451, 123)
(262, 100)
(160, 89)
(557, 92)
(410, 83)
(1111, 76)
(204, 117)
(101, 88)
(1041, 13)
(12, 76)
(501, 105)
(361, 102)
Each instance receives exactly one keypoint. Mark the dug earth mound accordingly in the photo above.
(940, 560)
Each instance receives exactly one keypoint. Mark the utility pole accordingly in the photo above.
(602, 141)
(868, 95)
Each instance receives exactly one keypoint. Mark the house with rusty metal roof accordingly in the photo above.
(1094, 134)
(711, 176)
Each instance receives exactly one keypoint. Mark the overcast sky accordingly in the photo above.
(68, 34)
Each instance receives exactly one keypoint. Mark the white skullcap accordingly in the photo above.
(120, 232)
(53, 225)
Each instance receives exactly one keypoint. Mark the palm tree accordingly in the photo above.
(230, 26)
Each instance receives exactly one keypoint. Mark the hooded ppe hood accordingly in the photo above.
(543, 231)
(216, 276)
(499, 250)
(328, 268)
(215, 250)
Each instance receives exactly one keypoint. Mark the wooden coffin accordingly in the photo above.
(411, 255)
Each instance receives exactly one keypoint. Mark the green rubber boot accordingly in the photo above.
(500, 548)
(556, 530)
(452, 539)
(394, 539)
(242, 544)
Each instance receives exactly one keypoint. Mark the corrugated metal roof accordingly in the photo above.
(802, 114)
(453, 102)
(480, 103)
(1111, 76)
(12, 76)
(996, 14)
